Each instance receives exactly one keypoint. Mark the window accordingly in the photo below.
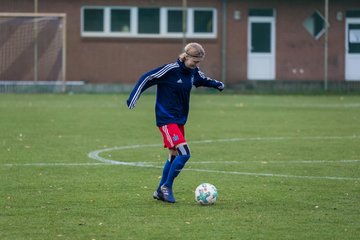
(120, 20)
(148, 22)
(203, 21)
(174, 21)
(255, 12)
(94, 20)
(353, 13)
(354, 38)
(315, 25)
(353, 32)
(261, 37)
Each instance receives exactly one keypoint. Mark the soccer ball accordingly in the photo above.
(206, 194)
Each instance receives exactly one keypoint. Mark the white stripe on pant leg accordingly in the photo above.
(166, 131)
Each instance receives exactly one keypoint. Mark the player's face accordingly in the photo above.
(192, 62)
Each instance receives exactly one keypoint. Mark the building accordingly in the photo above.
(114, 41)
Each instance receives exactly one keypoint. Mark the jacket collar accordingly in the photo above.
(183, 68)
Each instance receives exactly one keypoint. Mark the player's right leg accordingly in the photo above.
(158, 194)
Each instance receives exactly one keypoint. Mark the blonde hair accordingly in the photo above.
(194, 50)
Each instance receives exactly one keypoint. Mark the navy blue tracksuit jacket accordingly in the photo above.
(174, 82)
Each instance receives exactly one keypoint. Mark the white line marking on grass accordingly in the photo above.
(52, 164)
(95, 155)
(334, 105)
(139, 164)
(276, 139)
(277, 162)
(271, 174)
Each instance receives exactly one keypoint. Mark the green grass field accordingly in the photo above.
(286, 167)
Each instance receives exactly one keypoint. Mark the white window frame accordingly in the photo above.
(133, 33)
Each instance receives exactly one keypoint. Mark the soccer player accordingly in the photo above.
(174, 83)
